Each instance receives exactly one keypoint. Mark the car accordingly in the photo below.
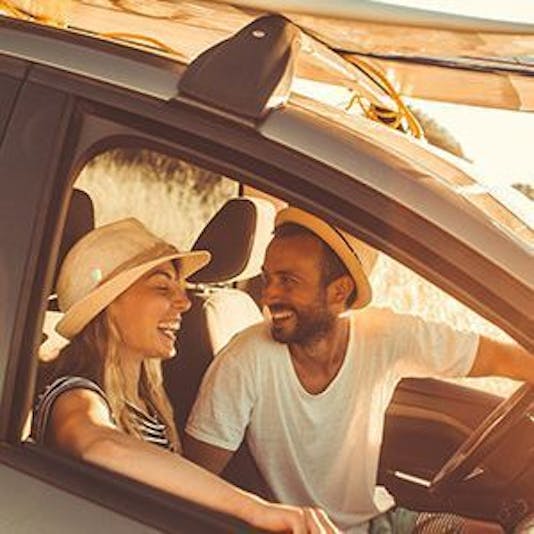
(89, 113)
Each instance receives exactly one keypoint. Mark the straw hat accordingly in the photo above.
(105, 263)
(358, 258)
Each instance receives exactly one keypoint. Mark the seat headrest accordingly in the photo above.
(237, 237)
(80, 220)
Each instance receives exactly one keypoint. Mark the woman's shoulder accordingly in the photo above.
(66, 383)
(46, 399)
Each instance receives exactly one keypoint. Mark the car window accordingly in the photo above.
(175, 199)
(398, 287)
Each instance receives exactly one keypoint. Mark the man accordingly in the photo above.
(311, 388)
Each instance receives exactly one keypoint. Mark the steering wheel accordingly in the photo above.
(485, 438)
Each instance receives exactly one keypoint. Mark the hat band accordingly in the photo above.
(161, 249)
(345, 240)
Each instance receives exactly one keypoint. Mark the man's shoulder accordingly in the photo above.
(383, 323)
(372, 316)
(246, 354)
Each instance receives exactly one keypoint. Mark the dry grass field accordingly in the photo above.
(171, 198)
(164, 194)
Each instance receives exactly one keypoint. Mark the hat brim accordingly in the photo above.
(339, 243)
(78, 316)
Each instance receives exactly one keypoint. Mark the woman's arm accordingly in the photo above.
(80, 426)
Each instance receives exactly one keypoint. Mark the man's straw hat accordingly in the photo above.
(358, 258)
(105, 263)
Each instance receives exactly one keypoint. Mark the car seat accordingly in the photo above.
(237, 237)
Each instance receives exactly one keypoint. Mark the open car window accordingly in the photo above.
(176, 199)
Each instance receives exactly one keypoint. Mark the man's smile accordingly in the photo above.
(280, 314)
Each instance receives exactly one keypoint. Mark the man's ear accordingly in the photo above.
(340, 289)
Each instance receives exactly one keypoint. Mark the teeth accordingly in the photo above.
(169, 329)
(174, 326)
(281, 315)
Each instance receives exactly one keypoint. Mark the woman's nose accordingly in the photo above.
(181, 301)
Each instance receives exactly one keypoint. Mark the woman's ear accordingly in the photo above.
(340, 289)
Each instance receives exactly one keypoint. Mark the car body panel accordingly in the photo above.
(425, 181)
(44, 48)
(28, 161)
(63, 509)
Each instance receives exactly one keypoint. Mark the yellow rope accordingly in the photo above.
(392, 118)
(15, 11)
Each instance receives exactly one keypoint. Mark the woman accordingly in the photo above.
(122, 291)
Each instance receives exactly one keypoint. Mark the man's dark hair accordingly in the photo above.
(331, 266)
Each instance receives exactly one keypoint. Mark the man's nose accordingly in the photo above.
(270, 293)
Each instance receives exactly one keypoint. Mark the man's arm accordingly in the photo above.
(210, 457)
(495, 358)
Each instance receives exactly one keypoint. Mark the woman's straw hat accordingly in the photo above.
(105, 263)
(358, 258)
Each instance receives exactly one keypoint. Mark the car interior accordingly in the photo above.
(427, 419)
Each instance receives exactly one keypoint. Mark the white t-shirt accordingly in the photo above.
(323, 449)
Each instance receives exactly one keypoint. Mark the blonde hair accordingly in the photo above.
(94, 354)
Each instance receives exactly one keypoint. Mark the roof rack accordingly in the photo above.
(248, 74)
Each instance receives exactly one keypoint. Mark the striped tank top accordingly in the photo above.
(151, 429)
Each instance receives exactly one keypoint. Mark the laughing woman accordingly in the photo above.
(122, 291)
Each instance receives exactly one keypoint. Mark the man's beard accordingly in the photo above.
(311, 323)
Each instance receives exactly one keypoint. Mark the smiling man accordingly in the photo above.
(309, 388)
